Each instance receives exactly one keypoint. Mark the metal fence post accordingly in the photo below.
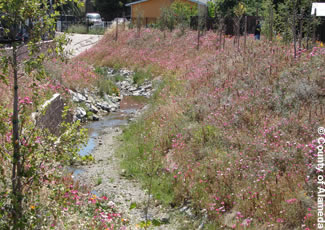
(87, 25)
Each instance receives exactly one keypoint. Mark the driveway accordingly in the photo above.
(81, 42)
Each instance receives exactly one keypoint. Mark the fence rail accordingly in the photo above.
(228, 23)
(63, 26)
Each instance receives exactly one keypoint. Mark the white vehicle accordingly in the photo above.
(94, 19)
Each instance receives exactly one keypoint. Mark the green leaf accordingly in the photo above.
(133, 205)
(156, 222)
(145, 224)
(4, 79)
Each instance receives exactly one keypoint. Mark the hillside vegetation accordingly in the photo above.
(230, 131)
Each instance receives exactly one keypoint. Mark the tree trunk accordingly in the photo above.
(16, 165)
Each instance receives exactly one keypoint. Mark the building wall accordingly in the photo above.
(152, 8)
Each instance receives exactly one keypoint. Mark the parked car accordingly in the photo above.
(94, 19)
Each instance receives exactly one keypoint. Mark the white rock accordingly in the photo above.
(80, 112)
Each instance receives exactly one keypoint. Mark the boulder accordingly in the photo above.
(80, 112)
(132, 88)
(137, 93)
(112, 106)
(146, 86)
(92, 108)
(110, 71)
(95, 118)
(77, 97)
(103, 105)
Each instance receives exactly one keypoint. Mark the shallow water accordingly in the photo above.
(129, 106)
(115, 119)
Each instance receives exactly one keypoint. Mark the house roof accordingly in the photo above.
(203, 2)
(319, 7)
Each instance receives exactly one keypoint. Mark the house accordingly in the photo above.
(318, 10)
(151, 9)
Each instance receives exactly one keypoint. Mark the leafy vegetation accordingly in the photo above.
(141, 76)
(106, 84)
(82, 29)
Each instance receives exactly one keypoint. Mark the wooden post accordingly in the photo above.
(116, 34)
(314, 28)
(220, 34)
(294, 30)
(271, 23)
(224, 40)
(234, 30)
(87, 25)
(238, 32)
(307, 40)
(123, 20)
(146, 22)
(198, 36)
(245, 33)
(300, 27)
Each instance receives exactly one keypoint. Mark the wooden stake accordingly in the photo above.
(314, 28)
(116, 34)
(300, 27)
(271, 23)
(245, 34)
(198, 34)
(294, 30)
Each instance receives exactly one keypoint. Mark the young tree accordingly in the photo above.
(239, 12)
(37, 19)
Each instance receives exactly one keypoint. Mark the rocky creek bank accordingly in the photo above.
(92, 106)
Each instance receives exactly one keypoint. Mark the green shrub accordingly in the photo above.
(78, 29)
(89, 114)
(107, 86)
(97, 30)
(103, 72)
(141, 76)
(82, 29)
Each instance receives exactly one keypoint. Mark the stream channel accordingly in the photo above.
(129, 106)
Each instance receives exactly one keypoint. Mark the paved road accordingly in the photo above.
(81, 42)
